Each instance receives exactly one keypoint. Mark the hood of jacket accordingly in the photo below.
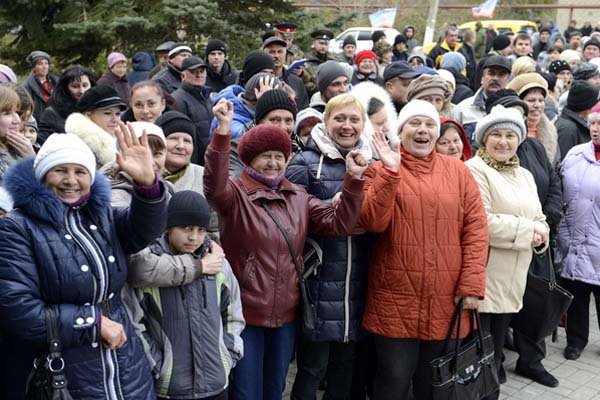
(232, 93)
(467, 152)
(102, 143)
(32, 198)
(142, 61)
(316, 101)
(365, 91)
(326, 146)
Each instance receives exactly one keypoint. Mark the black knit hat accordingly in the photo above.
(500, 42)
(254, 63)
(507, 98)
(558, 66)
(377, 35)
(216, 45)
(400, 38)
(349, 39)
(591, 42)
(188, 208)
(275, 99)
(100, 97)
(582, 96)
(174, 121)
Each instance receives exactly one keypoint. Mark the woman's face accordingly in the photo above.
(159, 157)
(30, 134)
(68, 182)
(535, 101)
(269, 163)
(367, 66)
(436, 100)
(595, 128)
(554, 55)
(107, 119)
(566, 76)
(345, 125)
(450, 143)
(147, 104)
(281, 118)
(119, 69)
(180, 147)
(502, 144)
(379, 120)
(418, 136)
(9, 122)
(77, 87)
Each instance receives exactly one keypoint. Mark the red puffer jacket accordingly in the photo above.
(254, 245)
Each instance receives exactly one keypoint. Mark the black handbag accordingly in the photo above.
(544, 304)
(307, 308)
(468, 372)
(47, 380)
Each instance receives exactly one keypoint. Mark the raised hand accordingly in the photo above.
(223, 112)
(356, 163)
(265, 84)
(135, 156)
(390, 157)
(20, 144)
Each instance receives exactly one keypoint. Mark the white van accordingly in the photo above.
(362, 35)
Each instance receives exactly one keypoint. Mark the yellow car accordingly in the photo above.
(503, 25)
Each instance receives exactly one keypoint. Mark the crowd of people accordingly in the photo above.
(180, 217)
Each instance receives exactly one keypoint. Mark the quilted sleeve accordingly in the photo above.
(380, 193)
(147, 269)
(298, 171)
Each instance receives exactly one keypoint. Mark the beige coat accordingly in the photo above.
(511, 202)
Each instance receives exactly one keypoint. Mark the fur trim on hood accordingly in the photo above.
(325, 144)
(365, 91)
(102, 143)
(548, 136)
(32, 198)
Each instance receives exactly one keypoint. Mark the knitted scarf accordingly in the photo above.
(509, 165)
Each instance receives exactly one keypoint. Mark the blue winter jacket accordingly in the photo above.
(337, 283)
(73, 260)
(142, 63)
(242, 116)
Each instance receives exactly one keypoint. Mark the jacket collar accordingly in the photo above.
(256, 190)
(573, 116)
(34, 199)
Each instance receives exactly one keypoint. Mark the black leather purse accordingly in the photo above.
(468, 372)
(47, 380)
(545, 302)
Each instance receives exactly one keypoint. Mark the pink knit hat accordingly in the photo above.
(114, 58)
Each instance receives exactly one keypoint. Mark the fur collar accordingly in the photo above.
(547, 135)
(102, 143)
(33, 199)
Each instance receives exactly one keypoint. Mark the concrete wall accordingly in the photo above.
(580, 15)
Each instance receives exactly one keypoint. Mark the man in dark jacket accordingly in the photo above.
(317, 56)
(193, 100)
(572, 126)
(40, 82)
(170, 77)
(219, 71)
(468, 51)
(542, 44)
(276, 48)
(450, 43)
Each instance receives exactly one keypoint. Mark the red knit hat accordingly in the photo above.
(363, 55)
(263, 138)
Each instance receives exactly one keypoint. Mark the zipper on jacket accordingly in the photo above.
(347, 291)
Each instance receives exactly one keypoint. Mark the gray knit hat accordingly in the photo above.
(328, 72)
(500, 118)
(584, 71)
(254, 83)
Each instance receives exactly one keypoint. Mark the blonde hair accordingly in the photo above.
(9, 99)
(523, 65)
(344, 100)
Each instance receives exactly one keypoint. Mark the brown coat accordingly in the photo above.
(253, 244)
(433, 246)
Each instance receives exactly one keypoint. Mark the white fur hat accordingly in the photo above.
(63, 149)
(418, 108)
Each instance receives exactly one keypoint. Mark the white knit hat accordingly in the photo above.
(60, 149)
(418, 108)
(151, 129)
(500, 118)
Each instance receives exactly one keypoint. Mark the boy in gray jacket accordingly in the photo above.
(193, 320)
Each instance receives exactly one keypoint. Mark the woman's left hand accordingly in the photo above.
(20, 144)
(469, 302)
(135, 157)
(356, 163)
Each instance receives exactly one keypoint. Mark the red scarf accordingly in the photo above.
(597, 152)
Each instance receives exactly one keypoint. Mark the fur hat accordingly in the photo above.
(115, 57)
(63, 149)
(263, 138)
(188, 208)
(570, 56)
(328, 72)
(418, 108)
(275, 99)
(500, 118)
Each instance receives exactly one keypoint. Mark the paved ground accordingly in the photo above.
(579, 380)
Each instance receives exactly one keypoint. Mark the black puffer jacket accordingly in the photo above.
(572, 130)
(169, 78)
(219, 81)
(194, 102)
(337, 286)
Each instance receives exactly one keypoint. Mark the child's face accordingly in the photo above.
(185, 239)
(30, 133)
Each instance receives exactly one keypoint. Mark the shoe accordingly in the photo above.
(509, 342)
(542, 377)
(572, 353)
(502, 375)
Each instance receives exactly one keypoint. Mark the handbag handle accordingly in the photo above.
(54, 346)
(551, 271)
(456, 323)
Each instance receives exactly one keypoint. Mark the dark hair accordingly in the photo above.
(551, 78)
(521, 36)
(554, 47)
(447, 125)
(156, 143)
(61, 99)
(375, 105)
(148, 83)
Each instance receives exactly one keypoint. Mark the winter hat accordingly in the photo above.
(32, 123)
(584, 71)
(36, 55)
(151, 130)
(558, 66)
(400, 69)
(381, 49)
(188, 208)
(349, 39)
(524, 82)
(400, 38)
(595, 61)
(500, 42)
(263, 138)
(546, 29)
(255, 62)
(174, 121)
(254, 83)
(307, 116)
(215, 45)
(449, 78)
(6, 202)
(570, 56)
(114, 58)
(500, 118)
(507, 98)
(418, 108)
(582, 96)
(60, 149)
(427, 85)
(377, 35)
(179, 48)
(454, 62)
(364, 55)
(100, 97)
(327, 73)
(523, 65)
(7, 75)
(275, 99)
(591, 42)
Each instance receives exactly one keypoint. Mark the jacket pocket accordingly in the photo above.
(249, 271)
(312, 258)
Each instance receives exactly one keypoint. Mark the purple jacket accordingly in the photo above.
(579, 231)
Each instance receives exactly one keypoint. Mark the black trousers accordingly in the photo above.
(401, 362)
(578, 315)
(314, 360)
(531, 354)
(365, 365)
(497, 325)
